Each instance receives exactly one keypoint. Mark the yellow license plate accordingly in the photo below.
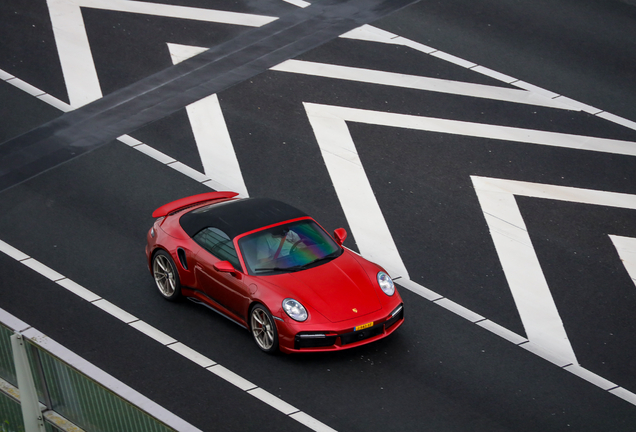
(363, 326)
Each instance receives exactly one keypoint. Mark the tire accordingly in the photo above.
(166, 276)
(263, 329)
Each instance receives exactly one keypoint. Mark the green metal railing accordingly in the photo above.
(69, 393)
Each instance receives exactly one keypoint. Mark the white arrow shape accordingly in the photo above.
(210, 132)
(74, 49)
(518, 258)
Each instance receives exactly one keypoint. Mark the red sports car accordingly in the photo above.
(273, 270)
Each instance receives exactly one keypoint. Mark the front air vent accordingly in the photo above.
(182, 258)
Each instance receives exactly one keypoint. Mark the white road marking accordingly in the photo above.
(354, 191)
(418, 83)
(273, 401)
(153, 153)
(210, 132)
(480, 130)
(149, 331)
(374, 34)
(74, 49)
(299, 3)
(626, 248)
(192, 355)
(516, 253)
(518, 258)
(95, 373)
(460, 310)
(153, 332)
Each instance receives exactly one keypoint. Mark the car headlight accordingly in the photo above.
(386, 283)
(295, 310)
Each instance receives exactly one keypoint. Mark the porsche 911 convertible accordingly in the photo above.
(273, 270)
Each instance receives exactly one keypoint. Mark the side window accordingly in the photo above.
(218, 244)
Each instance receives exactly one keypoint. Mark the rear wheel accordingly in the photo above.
(166, 276)
(263, 329)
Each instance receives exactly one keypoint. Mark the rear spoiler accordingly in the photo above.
(191, 200)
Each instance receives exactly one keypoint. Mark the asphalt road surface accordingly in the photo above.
(483, 151)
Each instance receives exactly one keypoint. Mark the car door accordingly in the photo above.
(227, 289)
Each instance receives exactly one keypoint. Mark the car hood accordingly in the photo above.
(339, 290)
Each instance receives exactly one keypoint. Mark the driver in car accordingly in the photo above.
(275, 244)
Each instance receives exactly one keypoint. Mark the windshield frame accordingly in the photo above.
(315, 256)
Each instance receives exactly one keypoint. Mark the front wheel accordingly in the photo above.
(166, 276)
(263, 329)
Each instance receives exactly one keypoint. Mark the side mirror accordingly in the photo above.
(225, 267)
(341, 235)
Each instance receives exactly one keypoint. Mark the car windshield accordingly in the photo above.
(287, 248)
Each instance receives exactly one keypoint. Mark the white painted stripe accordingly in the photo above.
(535, 89)
(494, 74)
(311, 422)
(74, 49)
(192, 355)
(25, 87)
(518, 258)
(108, 381)
(231, 377)
(354, 191)
(155, 154)
(453, 59)
(417, 83)
(624, 394)
(190, 172)
(591, 377)
(129, 141)
(479, 130)
(371, 34)
(546, 354)
(459, 310)
(502, 332)
(618, 120)
(504, 187)
(115, 311)
(418, 289)
(55, 102)
(179, 53)
(182, 12)
(577, 105)
(416, 45)
(7, 249)
(153, 332)
(74, 52)
(45, 271)
(626, 248)
(299, 3)
(214, 143)
(78, 290)
(4, 75)
(273, 401)
(211, 134)
(523, 272)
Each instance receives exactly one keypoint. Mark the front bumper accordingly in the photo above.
(330, 340)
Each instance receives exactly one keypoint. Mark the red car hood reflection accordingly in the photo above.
(339, 290)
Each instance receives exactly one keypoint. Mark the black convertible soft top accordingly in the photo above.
(236, 217)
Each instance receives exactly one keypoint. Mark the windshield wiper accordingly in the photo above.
(298, 267)
(293, 268)
(331, 256)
